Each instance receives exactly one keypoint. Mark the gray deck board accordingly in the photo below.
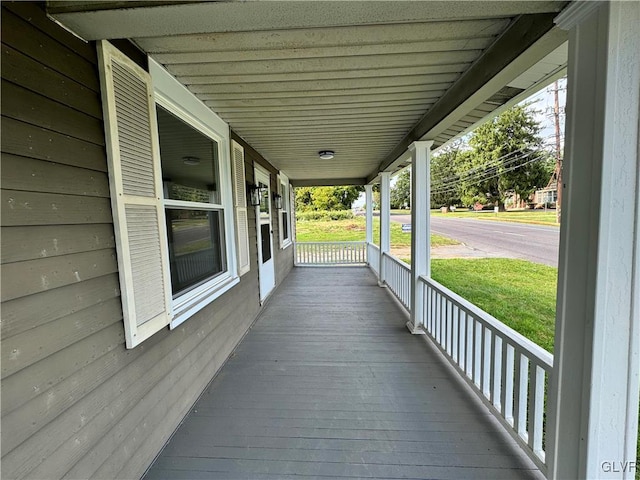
(329, 384)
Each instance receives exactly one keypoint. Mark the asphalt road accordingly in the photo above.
(536, 243)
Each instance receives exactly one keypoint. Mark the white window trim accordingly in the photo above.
(173, 96)
(286, 194)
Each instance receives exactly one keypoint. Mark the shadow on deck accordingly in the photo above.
(329, 383)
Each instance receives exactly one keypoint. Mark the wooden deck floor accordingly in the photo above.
(330, 384)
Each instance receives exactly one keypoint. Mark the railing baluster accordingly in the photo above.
(520, 407)
(536, 407)
(483, 359)
(462, 338)
(470, 348)
(506, 392)
(496, 370)
(455, 335)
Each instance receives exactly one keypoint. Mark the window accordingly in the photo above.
(285, 212)
(193, 204)
(197, 196)
(171, 195)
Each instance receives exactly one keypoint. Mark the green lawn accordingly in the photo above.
(354, 230)
(520, 294)
(538, 217)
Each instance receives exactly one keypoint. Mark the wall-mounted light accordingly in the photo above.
(326, 154)
(190, 160)
(254, 195)
(277, 201)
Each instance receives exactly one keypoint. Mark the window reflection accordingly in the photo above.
(196, 246)
(189, 161)
(265, 204)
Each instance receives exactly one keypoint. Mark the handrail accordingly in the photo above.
(506, 369)
(330, 253)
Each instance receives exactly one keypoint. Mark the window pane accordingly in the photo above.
(265, 233)
(196, 247)
(265, 203)
(189, 158)
(285, 226)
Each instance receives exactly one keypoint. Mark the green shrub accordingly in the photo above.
(324, 215)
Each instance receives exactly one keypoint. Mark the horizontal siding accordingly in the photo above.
(24, 173)
(34, 208)
(33, 276)
(31, 311)
(22, 70)
(75, 402)
(26, 140)
(30, 107)
(53, 240)
(19, 32)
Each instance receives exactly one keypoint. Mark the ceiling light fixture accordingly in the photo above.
(326, 154)
(189, 160)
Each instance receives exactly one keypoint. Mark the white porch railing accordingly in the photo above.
(398, 278)
(331, 253)
(506, 369)
(373, 257)
(193, 265)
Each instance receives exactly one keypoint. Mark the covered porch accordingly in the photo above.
(384, 95)
(327, 383)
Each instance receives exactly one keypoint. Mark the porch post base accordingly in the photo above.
(381, 284)
(415, 329)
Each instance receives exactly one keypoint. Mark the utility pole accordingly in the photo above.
(558, 175)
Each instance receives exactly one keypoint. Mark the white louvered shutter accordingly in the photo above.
(136, 194)
(280, 192)
(292, 213)
(240, 206)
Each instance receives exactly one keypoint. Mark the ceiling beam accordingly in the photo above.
(527, 40)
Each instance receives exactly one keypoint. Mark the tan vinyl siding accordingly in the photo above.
(75, 402)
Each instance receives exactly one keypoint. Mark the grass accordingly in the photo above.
(354, 230)
(536, 217)
(520, 294)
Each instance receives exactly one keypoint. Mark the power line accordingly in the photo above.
(492, 165)
(452, 187)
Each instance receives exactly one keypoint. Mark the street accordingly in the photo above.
(536, 243)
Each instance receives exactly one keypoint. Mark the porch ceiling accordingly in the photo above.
(362, 78)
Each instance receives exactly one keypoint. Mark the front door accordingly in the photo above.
(265, 235)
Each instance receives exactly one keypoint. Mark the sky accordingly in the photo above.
(542, 103)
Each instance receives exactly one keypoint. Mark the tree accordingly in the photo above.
(326, 198)
(507, 157)
(400, 194)
(445, 182)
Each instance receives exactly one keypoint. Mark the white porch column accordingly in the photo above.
(385, 218)
(420, 229)
(368, 198)
(594, 390)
